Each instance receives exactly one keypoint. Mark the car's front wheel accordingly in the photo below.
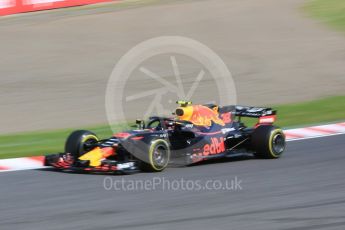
(80, 142)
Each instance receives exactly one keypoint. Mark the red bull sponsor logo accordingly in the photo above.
(199, 115)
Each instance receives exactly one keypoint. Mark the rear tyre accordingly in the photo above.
(80, 142)
(158, 156)
(268, 142)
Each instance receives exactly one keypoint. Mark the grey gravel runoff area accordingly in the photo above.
(55, 65)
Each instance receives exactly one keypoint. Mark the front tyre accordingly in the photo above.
(80, 142)
(158, 156)
(268, 142)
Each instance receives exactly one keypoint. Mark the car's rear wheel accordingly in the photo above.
(157, 158)
(80, 142)
(268, 142)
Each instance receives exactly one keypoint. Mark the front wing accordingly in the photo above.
(65, 162)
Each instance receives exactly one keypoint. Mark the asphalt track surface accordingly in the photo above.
(302, 190)
(54, 65)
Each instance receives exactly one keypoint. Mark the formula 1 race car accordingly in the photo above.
(196, 133)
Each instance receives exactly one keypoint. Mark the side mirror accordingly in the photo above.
(140, 124)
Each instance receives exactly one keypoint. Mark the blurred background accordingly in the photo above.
(55, 64)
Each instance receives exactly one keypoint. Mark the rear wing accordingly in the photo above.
(255, 112)
(265, 115)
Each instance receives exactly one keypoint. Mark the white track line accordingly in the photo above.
(306, 138)
(23, 163)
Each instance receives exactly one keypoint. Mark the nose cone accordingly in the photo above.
(184, 113)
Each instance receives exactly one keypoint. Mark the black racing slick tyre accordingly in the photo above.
(157, 158)
(79, 142)
(268, 142)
